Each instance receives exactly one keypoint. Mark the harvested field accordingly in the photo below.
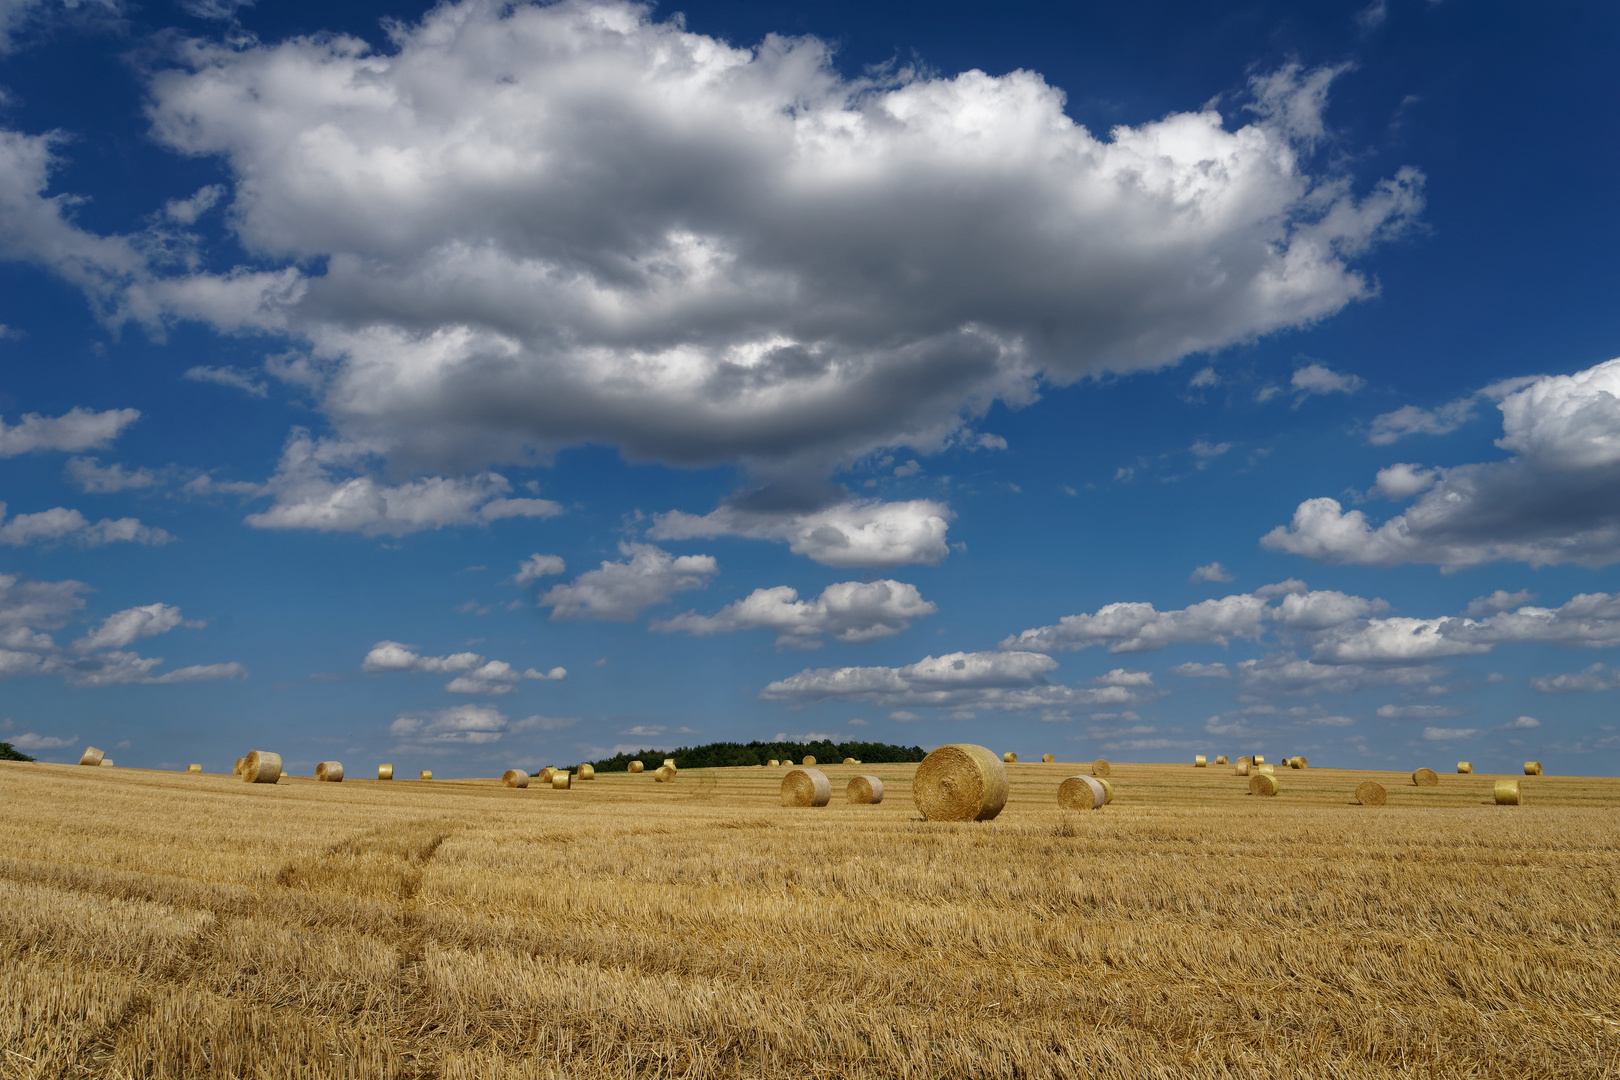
(165, 926)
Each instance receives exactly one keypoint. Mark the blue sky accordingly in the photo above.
(481, 386)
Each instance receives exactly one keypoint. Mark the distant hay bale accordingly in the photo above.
(107, 762)
(425, 774)
(864, 790)
(773, 763)
(515, 778)
(850, 761)
(193, 768)
(664, 774)
(1426, 778)
(1263, 784)
(1507, 793)
(1010, 758)
(561, 781)
(547, 773)
(960, 782)
(670, 762)
(587, 772)
(1101, 768)
(239, 763)
(1200, 761)
(1220, 759)
(1259, 759)
(636, 766)
(808, 760)
(1082, 793)
(1369, 793)
(1532, 768)
(1298, 762)
(1245, 760)
(91, 756)
(806, 787)
(1049, 758)
(1465, 768)
(1108, 788)
(330, 771)
(1269, 770)
(385, 772)
(261, 767)
(1241, 768)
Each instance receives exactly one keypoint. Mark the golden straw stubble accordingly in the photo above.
(330, 771)
(261, 767)
(91, 756)
(1370, 793)
(1263, 784)
(960, 782)
(1082, 793)
(515, 778)
(864, 790)
(1425, 778)
(1507, 793)
(806, 787)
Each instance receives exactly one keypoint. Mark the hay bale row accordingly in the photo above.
(91, 756)
(864, 790)
(806, 787)
(1369, 793)
(669, 762)
(261, 767)
(236, 770)
(107, 763)
(515, 778)
(330, 771)
(1241, 768)
(773, 763)
(1259, 759)
(1425, 778)
(960, 782)
(1264, 783)
(1532, 768)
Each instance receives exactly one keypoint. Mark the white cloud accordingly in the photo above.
(1324, 609)
(76, 429)
(1500, 600)
(46, 604)
(1316, 379)
(1421, 712)
(228, 376)
(1206, 451)
(93, 478)
(15, 15)
(309, 496)
(187, 211)
(460, 724)
(1523, 723)
(1212, 572)
(126, 627)
(619, 591)
(784, 277)
(1135, 627)
(854, 534)
(474, 674)
(1448, 734)
(1401, 481)
(1287, 673)
(202, 673)
(851, 611)
(988, 441)
(1556, 501)
(1204, 378)
(118, 668)
(60, 523)
(498, 677)
(1596, 677)
(29, 740)
(1442, 420)
(858, 722)
(1201, 671)
(537, 566)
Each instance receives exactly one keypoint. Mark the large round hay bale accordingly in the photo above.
(1263, 784)
(1200, 761)
(561, 781)
(1220, 759)
(1369, 793)
(1532, 768)
(261, 767)
(1507, 793)
(1465, 768)
(91, 756)
(1101, 768)
(960, 782)
(515, 778)
(864, 790)
(635, 766)
(385, 772)
(806, 787)
(586, 771)
(773, 763)
(1082, 793)
(664, 774)
(1009, 758)
(330, 771)
(1241, 768)
(1049, 758)
(808, 760)
(425, 774)
(1426, 778)
(193, 768)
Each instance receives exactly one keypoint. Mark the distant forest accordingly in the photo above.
(11, 753)
(720, 754)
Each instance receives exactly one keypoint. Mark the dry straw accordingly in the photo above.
(664, 774)
(1369, 793)
(1010, 758)
(864, 790)
(261, 767)
(385, 772)
(806, 787)
(561, 781)
(587, 772)
(1532, 768)
(1200, 761)
(1101, 768)
(425, 774)
(1507, 793)
(1049, 758)
(960, 782)
(808, 760)
(1263, 784)
(636, 766)
(193, 768)
(1465, 767)
(1082, 793)
(1220, 759)
(1426, 778)
(515, 778)
(330, 771)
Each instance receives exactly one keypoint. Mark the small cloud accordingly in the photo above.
(228, 376)
(1330, 721)
(1201, 671)
(910, 468)
(1206, 451)
(600, 661)
(1372, 16)
(1206, 377)
(858, 722)
(1523, 723)
(903, 716)
(988, 441)
(648, 731)
(1500, 600)
(538, 566)
(1267, 392)
(28, 740)
(1124, 474)
(1317, 379)
(1212, 572)
(1067, 490)
(1448, 734)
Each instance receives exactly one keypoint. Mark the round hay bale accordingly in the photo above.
(1259, 759)
(635, 766)
(91, 756)
(1049, 758)
(806, 787)
(425, 774)
(1010, 758)
(1426, 778)
(670, 762)
(1245, 760)
(561, 781)
(1507, 793)
(107, 763)
(1298, 763)
(1465, 768)
(664, 774)
(515, 778)
(1220, 759)
(1200, 761)
(864, 790)
(1263, 784)
(960, 782)
(237, 771)
(1369, 793)
(1082, 793)
(1101, 768)
(385, 772)
(850, 761)
(1532, 768)
(261, 767)
(1108, 788)
(587, 772)
(193, 768)
(808, 760)
(545, 774)
(1241, 768)
(1269, 770)
(330, 771)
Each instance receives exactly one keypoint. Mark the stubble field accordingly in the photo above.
(160, 925)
